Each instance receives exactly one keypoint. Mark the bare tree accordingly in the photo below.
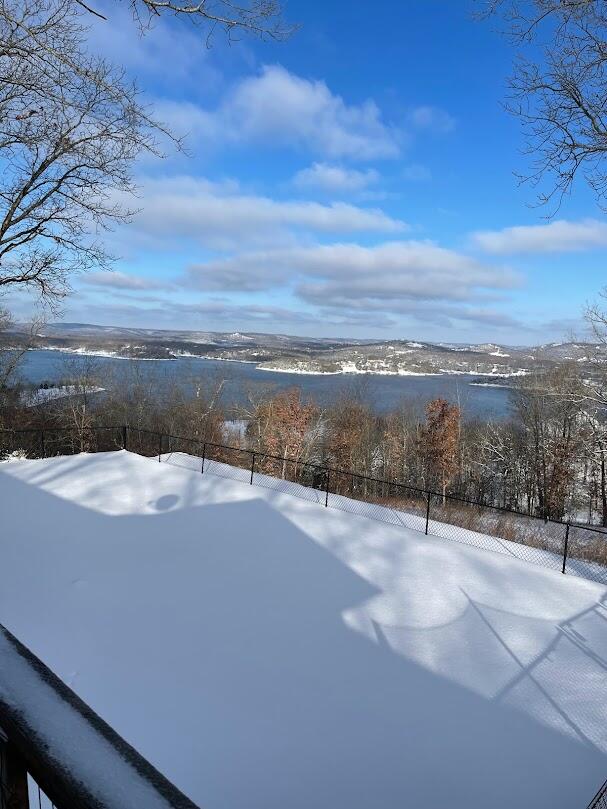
(13, 347)
(75, 411)
(260, 18)
(559, 90)
(71, 127)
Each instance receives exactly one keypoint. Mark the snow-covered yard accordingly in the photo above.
(263, 651)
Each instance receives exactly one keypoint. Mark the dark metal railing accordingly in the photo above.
(48, 734)
(600, 799)
(562, 545)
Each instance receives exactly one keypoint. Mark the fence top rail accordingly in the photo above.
(337, 471)
(42, 718)
(58, 429)
(232, 449)
(332, 471)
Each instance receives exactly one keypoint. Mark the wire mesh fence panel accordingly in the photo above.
(189, 451)
(374, 499)
(587, 553)
(296, 478)
(21, 443)
(62, 442)
(409, 504)
(579, 550)
(110, 439)
(229, 462)
(144, 442)
(600, 799)
(532, 540)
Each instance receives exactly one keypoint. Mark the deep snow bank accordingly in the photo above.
(263, 651)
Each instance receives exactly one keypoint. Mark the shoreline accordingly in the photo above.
(295, 371)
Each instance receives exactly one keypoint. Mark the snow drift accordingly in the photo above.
(262, 651)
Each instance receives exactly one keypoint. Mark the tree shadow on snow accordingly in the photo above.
(212, 638)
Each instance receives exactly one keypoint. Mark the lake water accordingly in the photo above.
(384, 393)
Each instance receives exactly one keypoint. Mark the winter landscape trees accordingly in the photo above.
(547, 459)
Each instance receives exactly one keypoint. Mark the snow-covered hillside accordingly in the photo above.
(263, 651)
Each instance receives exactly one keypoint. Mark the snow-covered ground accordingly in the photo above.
(41, 396)
(263, 651)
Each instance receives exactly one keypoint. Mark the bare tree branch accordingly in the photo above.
(561, 97)
(71, 127)
(259, 18)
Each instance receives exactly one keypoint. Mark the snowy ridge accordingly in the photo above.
(264, 651)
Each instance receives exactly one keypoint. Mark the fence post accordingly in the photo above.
(327, 488)
(124, 436)
(428, 512)
(159, 447)
(42, 444)
(566, 546)
(252, 467)
(204, 452)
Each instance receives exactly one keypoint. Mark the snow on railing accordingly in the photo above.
(48, 734)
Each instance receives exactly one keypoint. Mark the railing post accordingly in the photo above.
(428, 512)
(42, 444)
(13, 788)
(327, 488)
(159, 447)
(566, 546)
(124, 436)
(204, 452)
(252, 468)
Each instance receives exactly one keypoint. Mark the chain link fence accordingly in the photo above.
(571, 548)
(600, 799)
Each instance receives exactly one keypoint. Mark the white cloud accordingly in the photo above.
(221, 216)
(218, 314)
(378, 285)
(556, 237)
(121, 40)
(120, 280)
(277, 107)
(334, 178)
(350, 276)
(432, 119)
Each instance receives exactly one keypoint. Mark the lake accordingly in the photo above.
(383, 393)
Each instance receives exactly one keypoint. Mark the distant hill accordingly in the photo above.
(313, 355)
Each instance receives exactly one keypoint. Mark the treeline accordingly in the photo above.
(548, 459)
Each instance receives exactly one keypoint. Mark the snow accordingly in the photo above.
(68, 737)
(347, 367)
(43, 395)
(264, 651)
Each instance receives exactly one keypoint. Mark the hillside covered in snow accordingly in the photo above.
(263, 651)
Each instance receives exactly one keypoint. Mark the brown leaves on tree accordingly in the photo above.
(438, 444)
(283, 426)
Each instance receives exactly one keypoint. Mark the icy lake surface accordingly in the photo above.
(384, 393)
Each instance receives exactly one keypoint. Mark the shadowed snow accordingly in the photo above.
(262, 651)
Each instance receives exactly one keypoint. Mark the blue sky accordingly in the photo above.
(356, 180)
